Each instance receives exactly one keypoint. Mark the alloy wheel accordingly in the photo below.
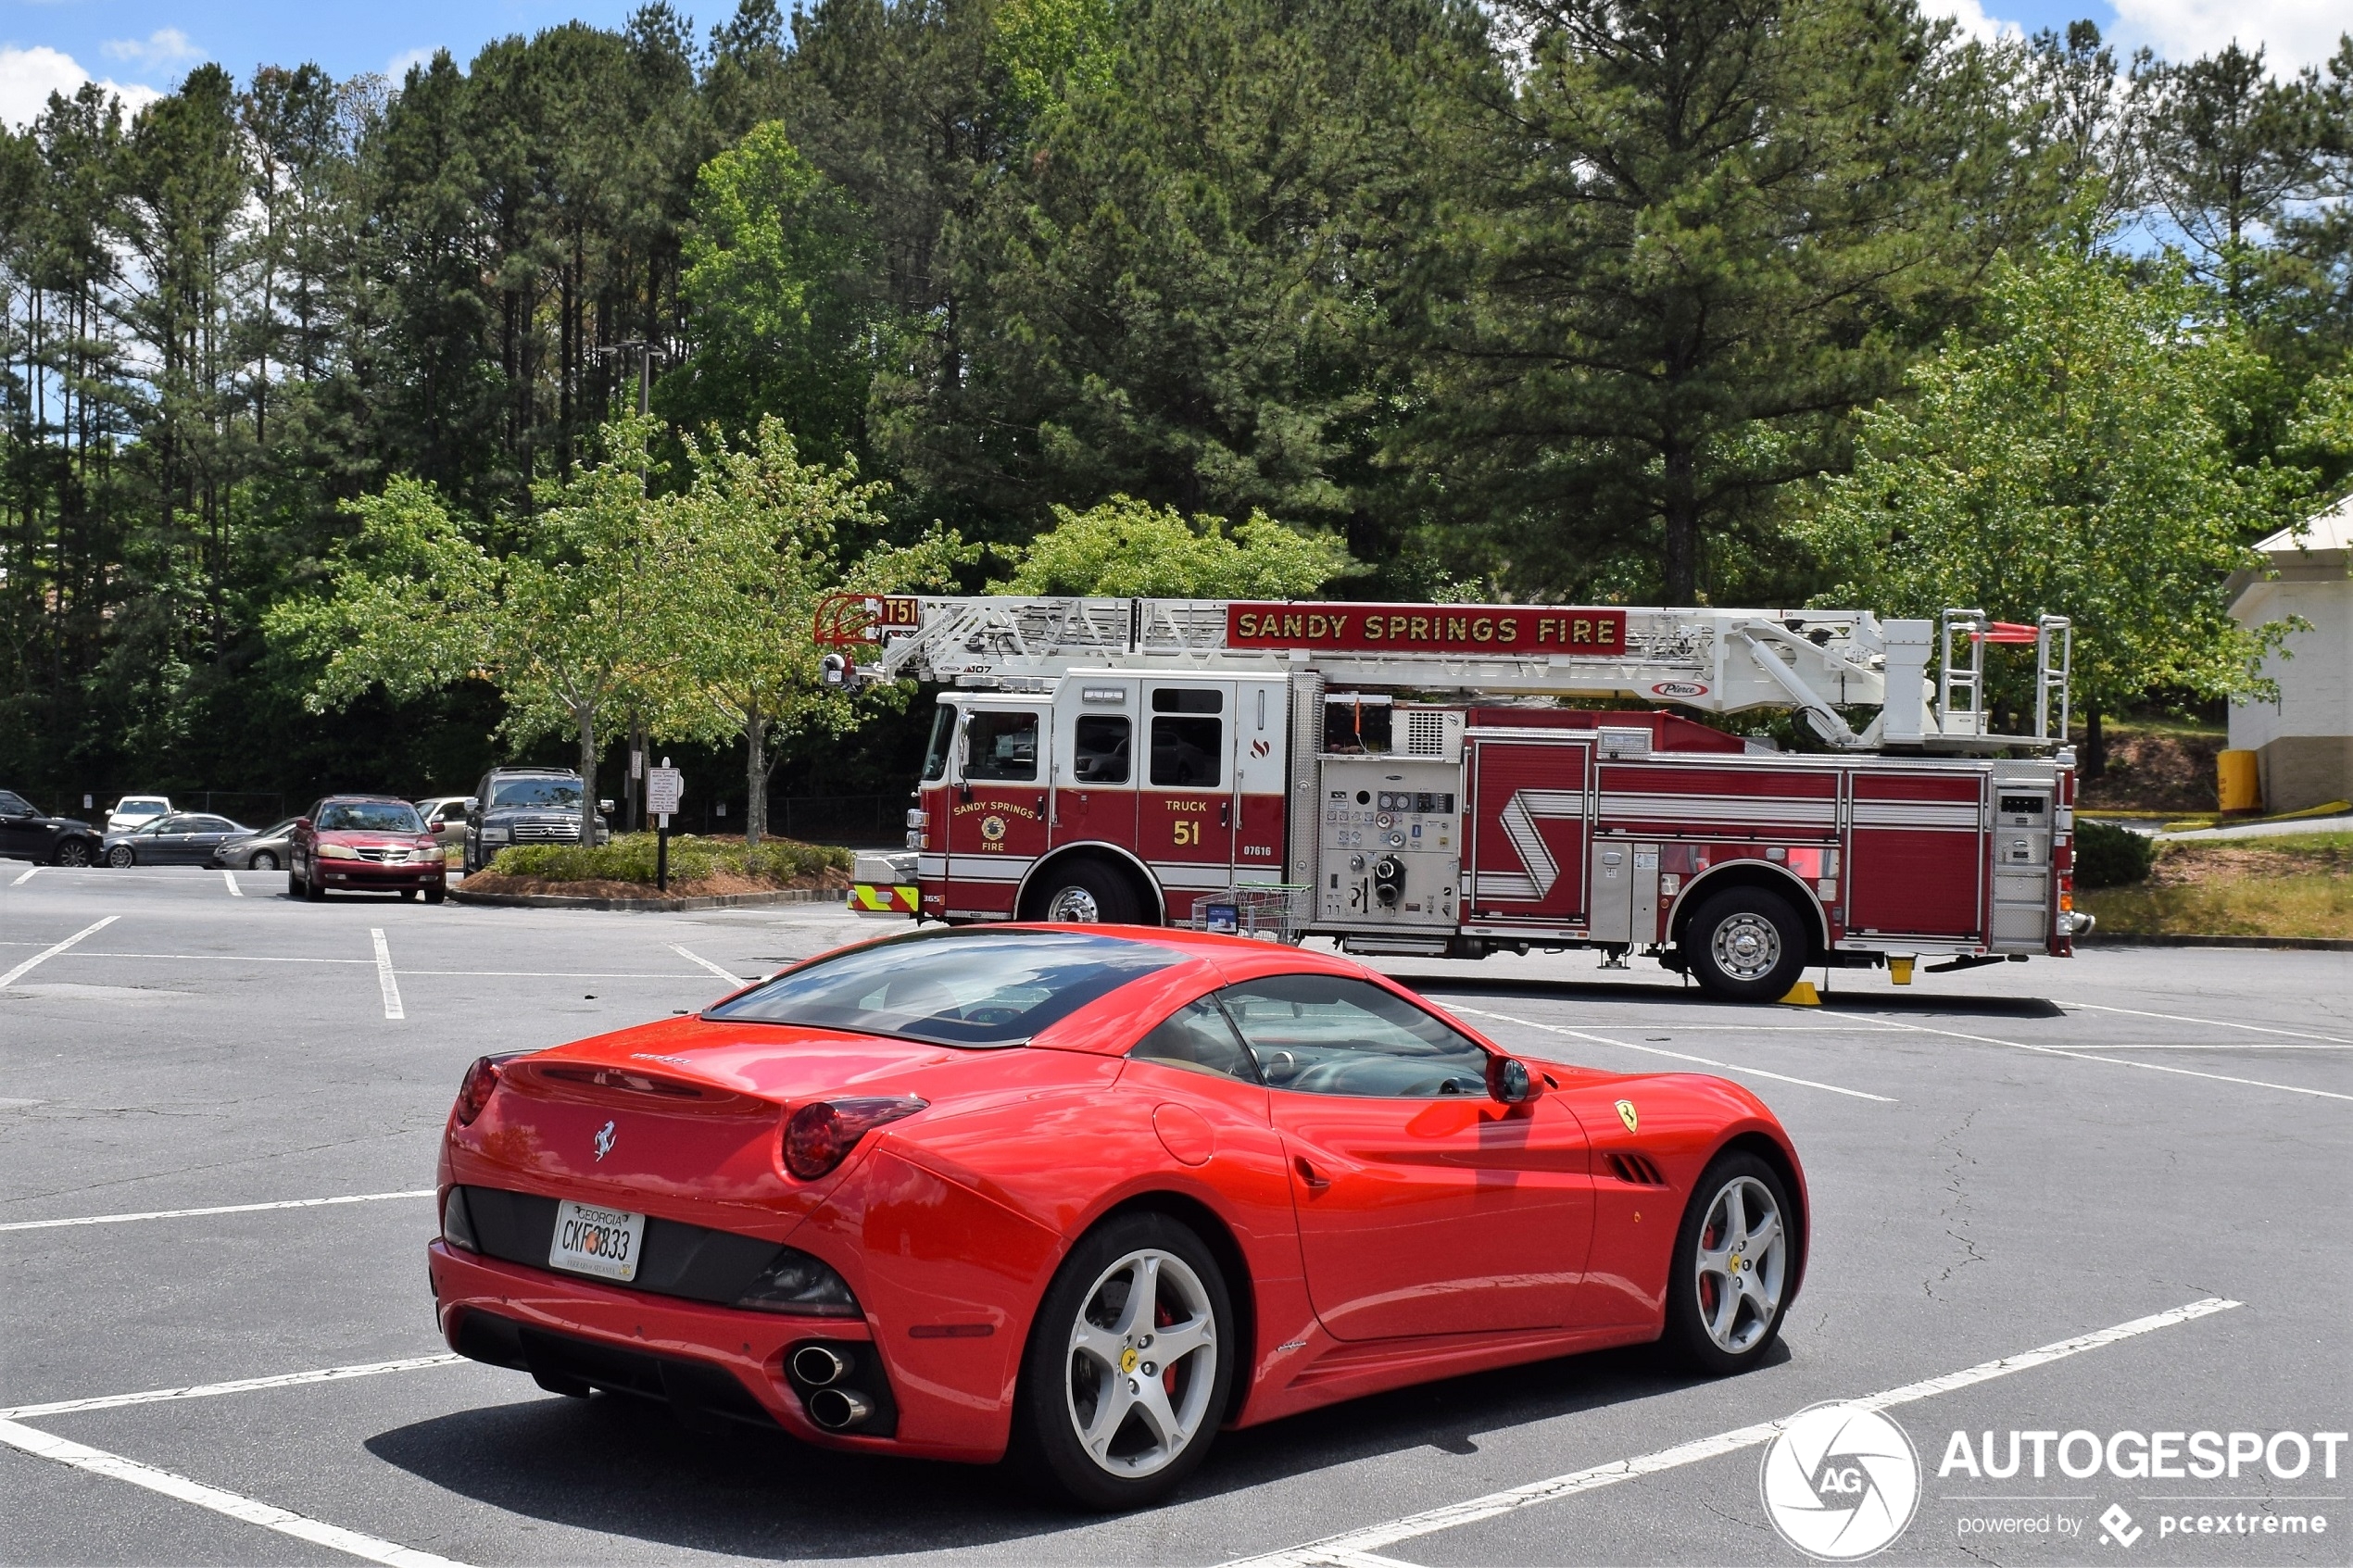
(1074, 906)
(264, 862)
(1742, 1265)
(1747, 945)
(1142, 1363)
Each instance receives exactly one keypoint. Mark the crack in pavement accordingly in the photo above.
(1956, 1226)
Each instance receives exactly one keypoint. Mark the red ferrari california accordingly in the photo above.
(1079, 1198)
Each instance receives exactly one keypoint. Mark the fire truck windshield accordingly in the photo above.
(943, 735)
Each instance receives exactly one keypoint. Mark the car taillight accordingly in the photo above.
(819, 1135)
(475, 1090)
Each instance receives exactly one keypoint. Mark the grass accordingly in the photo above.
(630, 858)
(2295, 885)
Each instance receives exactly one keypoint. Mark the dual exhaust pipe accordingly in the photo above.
(830, 1406)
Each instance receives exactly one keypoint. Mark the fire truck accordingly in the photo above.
(1404, 778)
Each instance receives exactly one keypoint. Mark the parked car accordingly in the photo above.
(264, 849)
(180, 838)
(1083, 1196)
(526, 806)
(445, 818)
(137, 811)
(25, 835)
(363, 843)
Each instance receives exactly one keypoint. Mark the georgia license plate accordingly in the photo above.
(591, 1239)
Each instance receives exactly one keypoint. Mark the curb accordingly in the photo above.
(648, 905)
(2296, 944)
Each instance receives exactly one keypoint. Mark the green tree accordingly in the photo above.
(1127, 548)
(2074, 461)
(2226, 147)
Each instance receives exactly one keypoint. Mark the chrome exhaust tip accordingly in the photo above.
(838, 1410)
(819, 1364)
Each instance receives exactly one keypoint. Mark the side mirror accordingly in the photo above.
(473, 804)
(1509, 1081)
(302, 824)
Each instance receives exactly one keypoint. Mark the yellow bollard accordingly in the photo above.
(1900, 969)
(2236, 782)
(1803, 995)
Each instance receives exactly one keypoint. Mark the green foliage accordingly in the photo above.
(2072, 460)
(629, 857)
(1127, 548)
(2108, 856)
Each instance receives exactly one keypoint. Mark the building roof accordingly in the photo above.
(2331, 530)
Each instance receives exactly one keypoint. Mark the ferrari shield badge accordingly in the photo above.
(1625, 1113)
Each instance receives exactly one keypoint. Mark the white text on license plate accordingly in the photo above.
(591, 1239)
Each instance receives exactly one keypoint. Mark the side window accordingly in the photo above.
(1197, 1036)
(13, 805)
(943, 735)
(1188, 739)
(1002, 746)
(1099, 748)
(1326, 1035)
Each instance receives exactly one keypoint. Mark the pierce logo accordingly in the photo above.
(1680, 688)
(1840, 1481)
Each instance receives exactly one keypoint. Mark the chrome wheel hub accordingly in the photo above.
(1743, 1264)
(1748, 947)
(1074, 906)
(1143, 1363)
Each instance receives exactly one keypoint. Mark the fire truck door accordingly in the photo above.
(1262, 747)
(1096, 763)
(997, 811)
(1528, 830)
(1187, 807)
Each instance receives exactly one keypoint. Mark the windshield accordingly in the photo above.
(276, 830)
(538, 791)
(139, 809)
(997, 988)
(370, 815)
(943, 735)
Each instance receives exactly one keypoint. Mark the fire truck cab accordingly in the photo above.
(1149, 783)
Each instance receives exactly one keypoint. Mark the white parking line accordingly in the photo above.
(2211, 1023)
(222, 1209)
(231, 878)
(1343, 1549)
(384, 981)
(248, 1509)
(2122, 1062)
(27, 877)
(241, 1386)
(1679, 1056)
(728, 976)
(30, 964)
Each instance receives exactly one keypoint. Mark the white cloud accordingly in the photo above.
(164, 47)
(2293, 32)
(1970, 17)
(396, 67)
(29, 76)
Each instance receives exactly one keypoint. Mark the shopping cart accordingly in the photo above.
(1272, 912)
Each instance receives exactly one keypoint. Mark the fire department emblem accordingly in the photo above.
(992, 828)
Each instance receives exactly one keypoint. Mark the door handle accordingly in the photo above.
(1225, 813)
(1307, 1174)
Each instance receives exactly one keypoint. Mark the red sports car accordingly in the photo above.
(1081, 1197)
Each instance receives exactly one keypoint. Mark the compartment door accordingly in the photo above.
(1529, 823)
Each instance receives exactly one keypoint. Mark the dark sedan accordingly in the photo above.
(25, 835)
(265, 849)
(183, 838)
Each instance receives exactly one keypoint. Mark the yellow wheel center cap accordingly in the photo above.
(1127, 1359)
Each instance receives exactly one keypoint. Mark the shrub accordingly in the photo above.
(630, 858)
(2107, 856)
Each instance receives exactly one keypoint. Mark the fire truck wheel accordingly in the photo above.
(1745, 943)
(1085, 893)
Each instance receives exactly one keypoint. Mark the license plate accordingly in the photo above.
(592, 1239)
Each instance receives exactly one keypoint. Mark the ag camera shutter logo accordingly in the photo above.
(1840, 1481)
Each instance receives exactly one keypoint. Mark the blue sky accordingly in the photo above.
(143, 47)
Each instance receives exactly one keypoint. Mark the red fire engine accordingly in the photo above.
(1402, 778)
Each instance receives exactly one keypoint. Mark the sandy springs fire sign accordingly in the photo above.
(1405, 774)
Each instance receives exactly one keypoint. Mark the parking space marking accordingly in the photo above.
(240, 1386)
(2211, 1023)
(1679, 1056)
(231, 878)
(728, 976)
(222, 1209)
(2122, 1062)
(27, 877)
(250, 1510)
(384, 980)
(1343, 1549)
(46, 953)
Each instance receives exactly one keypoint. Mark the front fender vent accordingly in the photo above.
(1635, 1171)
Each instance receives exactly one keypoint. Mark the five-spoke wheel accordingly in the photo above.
(1731, 1277)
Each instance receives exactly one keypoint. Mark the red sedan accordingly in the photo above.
(1079, 1198)
(364, 844)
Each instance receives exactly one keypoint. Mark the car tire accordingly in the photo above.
(1085, 892)
(262, 862)
(436, 895)
(294, 886)
(121, 855)
(1732, 1282)
(1747, 944)
(313, 890)
(72, 852)
(1085, 1346)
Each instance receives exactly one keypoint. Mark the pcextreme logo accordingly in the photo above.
(1840, 1481)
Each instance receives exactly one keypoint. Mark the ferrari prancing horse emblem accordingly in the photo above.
(604, 1140)
(1625, 1113)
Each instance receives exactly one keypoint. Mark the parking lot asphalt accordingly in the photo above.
(2136, 1162)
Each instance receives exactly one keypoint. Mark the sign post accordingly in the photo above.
(663, 786)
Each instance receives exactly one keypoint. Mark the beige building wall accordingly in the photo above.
(2304, 742)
